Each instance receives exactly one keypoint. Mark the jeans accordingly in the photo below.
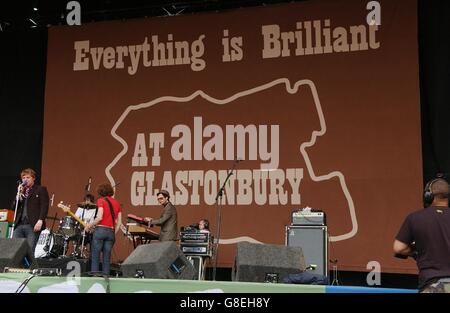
(102, 241)
(26, 231)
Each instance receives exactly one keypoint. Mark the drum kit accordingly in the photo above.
(56, 244)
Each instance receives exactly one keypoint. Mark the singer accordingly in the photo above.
(32, 208)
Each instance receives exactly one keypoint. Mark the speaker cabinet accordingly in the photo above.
(15, 253)
(266, 263)
(314, 242)
(158, 260)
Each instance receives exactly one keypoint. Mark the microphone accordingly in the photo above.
(88, 188)
(21, 187)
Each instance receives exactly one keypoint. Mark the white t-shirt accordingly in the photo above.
(88, 214)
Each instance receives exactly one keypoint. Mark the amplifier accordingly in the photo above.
(301, 217)
(314, 242)
(195, 237)
(196, 243)
(6, 215)
(196, 249)
(4, 229)
(17, 270)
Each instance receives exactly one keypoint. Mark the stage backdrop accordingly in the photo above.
(313, 104)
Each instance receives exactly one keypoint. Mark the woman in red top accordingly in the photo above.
(107, 223)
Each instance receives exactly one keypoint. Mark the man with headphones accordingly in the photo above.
(203, 226)
(426, 234)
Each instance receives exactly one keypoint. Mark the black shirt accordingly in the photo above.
(430, 230)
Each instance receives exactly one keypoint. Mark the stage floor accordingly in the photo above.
(10, 283)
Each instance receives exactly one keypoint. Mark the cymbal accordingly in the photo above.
(87, 205)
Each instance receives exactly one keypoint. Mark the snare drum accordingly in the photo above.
(69, 227)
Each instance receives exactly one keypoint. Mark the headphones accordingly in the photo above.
(428, 195)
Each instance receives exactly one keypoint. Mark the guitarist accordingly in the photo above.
(107, 223)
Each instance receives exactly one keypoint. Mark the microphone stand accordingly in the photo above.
(219, 217)
(87, 189)
(54, 220)
(15, 211)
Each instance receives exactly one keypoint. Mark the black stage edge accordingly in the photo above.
(67, 265)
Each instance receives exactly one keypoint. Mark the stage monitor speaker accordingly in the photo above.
(266, 262)
(314, 242)
(158, 260)
(15, 253)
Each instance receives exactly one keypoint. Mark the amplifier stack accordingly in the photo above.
(196, 243)
(308, 230)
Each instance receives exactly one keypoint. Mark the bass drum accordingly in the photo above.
(49, 245)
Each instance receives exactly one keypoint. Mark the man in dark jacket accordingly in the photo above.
(32, 208)
(168, 219)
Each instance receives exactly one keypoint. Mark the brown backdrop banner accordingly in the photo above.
(318, 100)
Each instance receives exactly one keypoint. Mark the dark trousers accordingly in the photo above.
(26, 231)
(102, 242)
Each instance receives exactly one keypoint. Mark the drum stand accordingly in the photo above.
(66, 245)
(82, 245)
(82, 248)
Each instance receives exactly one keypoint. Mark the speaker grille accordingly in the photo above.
(314, 242)
(263, 262)
(13, 252)
(158, 260)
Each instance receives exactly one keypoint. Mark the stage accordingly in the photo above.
(10, 283)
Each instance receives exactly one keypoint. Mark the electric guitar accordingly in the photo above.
(66, 209)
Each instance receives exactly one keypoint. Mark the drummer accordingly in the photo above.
(87, 210)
